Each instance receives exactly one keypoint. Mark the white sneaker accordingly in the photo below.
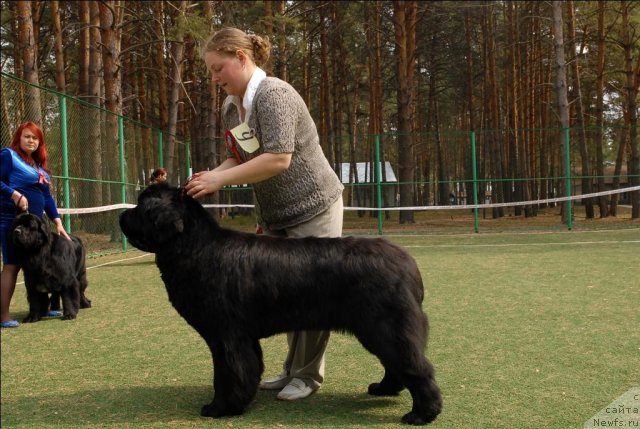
(275, 383)
(296, 389)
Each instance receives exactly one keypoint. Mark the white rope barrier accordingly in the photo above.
(415, 208)
(492, 205)
(96, 209)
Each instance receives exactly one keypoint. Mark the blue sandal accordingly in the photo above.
(10, 324)
(54, 313)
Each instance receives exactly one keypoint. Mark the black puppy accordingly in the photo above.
(235, 288)
(51, 264)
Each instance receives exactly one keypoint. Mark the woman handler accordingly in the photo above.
(274, 145)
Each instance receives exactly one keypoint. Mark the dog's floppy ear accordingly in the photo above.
(44, 226)
(166, 218)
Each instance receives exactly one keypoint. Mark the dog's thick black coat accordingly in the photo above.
(234, 288)
(51, 265)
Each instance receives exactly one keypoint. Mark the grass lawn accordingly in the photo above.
(527, 331)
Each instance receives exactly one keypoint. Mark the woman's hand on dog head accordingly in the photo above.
(202, 184)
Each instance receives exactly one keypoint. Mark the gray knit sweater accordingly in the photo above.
(283, 124)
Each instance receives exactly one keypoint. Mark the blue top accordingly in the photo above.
(33, 183)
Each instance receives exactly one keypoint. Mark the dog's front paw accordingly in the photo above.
(31, 318)
(380, 389)
(211, 410)
(417, 419)
(216, 410)
(68, 316)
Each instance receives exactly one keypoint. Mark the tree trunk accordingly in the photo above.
(442, 170)
(546, 166)
(37, 8)
(177, 50)
(208, 151)
(325, 83)
(144, 106)
(92, 161)
(163, 111)
(110, 21)
(110, 35)
(26, 45)
(561, 87)
(632, 107)
(282, 61)
(337, 89)
(496, 158)
(577, 102)
(307, 70)
(110, 24)
(16, 54)
(404, 22)
(613, 209)
(517, 156)
(268, 28)
(84, 49)
(61, 85)
(470, 104)
(602, 200)
(372, 12)
(533, 144)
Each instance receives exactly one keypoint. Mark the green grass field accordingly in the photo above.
(527, 331)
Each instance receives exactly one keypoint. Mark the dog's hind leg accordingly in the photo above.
(84, 301)
(237, 369)
(70, 302)
(409, 368)
(427, 401)
(400, 348)
(81, 277)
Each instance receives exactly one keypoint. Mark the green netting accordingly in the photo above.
(104, 160)
(99, 159)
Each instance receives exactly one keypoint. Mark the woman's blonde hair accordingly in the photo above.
(229, 40)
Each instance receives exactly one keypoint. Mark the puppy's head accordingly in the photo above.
(30, 232)
(156, 220)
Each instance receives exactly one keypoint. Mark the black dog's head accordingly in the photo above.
(158, 218)
(30, 232)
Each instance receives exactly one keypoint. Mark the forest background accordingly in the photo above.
(418, 76)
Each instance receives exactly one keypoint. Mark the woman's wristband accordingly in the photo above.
(18, 202)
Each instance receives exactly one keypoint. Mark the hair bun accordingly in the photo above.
(261, 49)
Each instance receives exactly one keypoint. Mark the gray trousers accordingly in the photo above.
(305, 359)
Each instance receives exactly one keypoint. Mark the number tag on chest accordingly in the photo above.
(246, 137)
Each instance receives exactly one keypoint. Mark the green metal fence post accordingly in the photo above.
(378, 183)
(475, 180)
(568, 177)
(62, 100)
(123, 178)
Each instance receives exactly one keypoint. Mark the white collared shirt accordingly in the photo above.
(258, 76)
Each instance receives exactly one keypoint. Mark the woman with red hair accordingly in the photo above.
(24, 187)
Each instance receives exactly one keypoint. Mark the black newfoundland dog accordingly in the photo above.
(234, 288)
(51, 265)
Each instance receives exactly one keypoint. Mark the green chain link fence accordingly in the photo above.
(97, 159)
